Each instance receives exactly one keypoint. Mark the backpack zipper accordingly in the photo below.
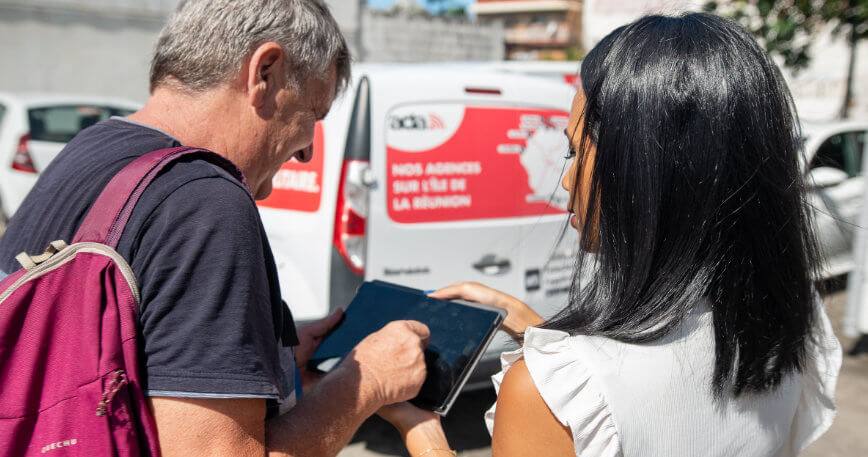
(119, 379)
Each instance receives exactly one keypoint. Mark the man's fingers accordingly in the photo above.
(419, 329)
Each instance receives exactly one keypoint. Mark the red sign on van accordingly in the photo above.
(450, 162)
(298, 186)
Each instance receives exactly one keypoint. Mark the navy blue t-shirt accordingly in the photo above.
(212, 323)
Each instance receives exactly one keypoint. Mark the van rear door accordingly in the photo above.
(299, 215)
(469, 166)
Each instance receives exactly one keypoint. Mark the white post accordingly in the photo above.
(856, 315)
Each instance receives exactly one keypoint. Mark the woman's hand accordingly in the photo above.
(404, 416)
(519, 315)
(421, 429)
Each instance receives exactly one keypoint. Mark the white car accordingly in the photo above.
(425, 175)
(834, 154)
(34, 128)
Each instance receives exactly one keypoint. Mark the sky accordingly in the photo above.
(385, 4)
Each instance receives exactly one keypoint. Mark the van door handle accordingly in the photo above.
(491, 265)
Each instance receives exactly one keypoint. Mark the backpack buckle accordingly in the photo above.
(30, 262)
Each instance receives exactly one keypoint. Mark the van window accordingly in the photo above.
(452, 162)
(859, 140)
(2, 115)
(842, 151)
(60, 123)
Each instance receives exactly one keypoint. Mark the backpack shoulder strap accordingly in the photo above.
(106, 219)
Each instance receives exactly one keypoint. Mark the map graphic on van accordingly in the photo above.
(298, 186)
(480, 162)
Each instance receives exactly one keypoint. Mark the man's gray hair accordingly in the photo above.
(205, 41)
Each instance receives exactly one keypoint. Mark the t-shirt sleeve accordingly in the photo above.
(206, 312)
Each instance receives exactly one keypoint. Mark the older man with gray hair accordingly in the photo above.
(246, 79)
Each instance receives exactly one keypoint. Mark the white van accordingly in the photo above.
(566, 71)
(425, 176)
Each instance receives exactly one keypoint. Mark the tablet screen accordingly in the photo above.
(459, 333)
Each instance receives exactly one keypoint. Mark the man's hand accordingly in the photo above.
(387, 367)
(309, 338)
(392, 361)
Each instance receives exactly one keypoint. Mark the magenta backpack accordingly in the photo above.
(70, 381)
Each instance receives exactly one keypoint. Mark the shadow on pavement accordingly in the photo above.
(464, 426)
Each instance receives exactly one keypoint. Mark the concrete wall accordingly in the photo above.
(76, 50)
(400, 38)
(103, 47)
(348, 15)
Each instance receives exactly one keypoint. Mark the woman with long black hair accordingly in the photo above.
(696, 329)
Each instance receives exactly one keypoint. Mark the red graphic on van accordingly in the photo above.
(499, 163)
(435, 122)
(298, 186)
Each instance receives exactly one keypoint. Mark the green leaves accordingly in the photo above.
(787, 28)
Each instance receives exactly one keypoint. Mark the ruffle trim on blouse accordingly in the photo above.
(817, 408)
(567, 386)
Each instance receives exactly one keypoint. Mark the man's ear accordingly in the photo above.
(265, 75)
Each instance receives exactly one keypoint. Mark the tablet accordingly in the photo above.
(460, 332)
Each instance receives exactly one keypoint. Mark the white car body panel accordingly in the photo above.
(836, 208)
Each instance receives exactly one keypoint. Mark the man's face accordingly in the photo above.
(288, 135)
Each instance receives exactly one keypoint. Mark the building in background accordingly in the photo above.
(104, 47)
(535, 29)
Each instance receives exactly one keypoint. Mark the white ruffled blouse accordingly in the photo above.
(655, 400)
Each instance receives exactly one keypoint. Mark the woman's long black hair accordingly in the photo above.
(699, 195)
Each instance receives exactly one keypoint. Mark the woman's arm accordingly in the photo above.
(523, 423)
(420, 429)
(519, 316)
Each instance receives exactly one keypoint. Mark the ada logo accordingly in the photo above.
(430, 121)
(423, 128)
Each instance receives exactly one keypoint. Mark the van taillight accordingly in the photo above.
(22, 160)
(573, 79)
(351, 215)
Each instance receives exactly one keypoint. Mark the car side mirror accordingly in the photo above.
(824, 177)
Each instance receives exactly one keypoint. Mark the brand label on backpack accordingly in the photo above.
(59, 444)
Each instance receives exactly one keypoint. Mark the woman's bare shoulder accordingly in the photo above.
(523, 422)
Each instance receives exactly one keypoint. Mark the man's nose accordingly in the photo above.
(305, 154)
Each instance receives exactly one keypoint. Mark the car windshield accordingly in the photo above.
(60, 123)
